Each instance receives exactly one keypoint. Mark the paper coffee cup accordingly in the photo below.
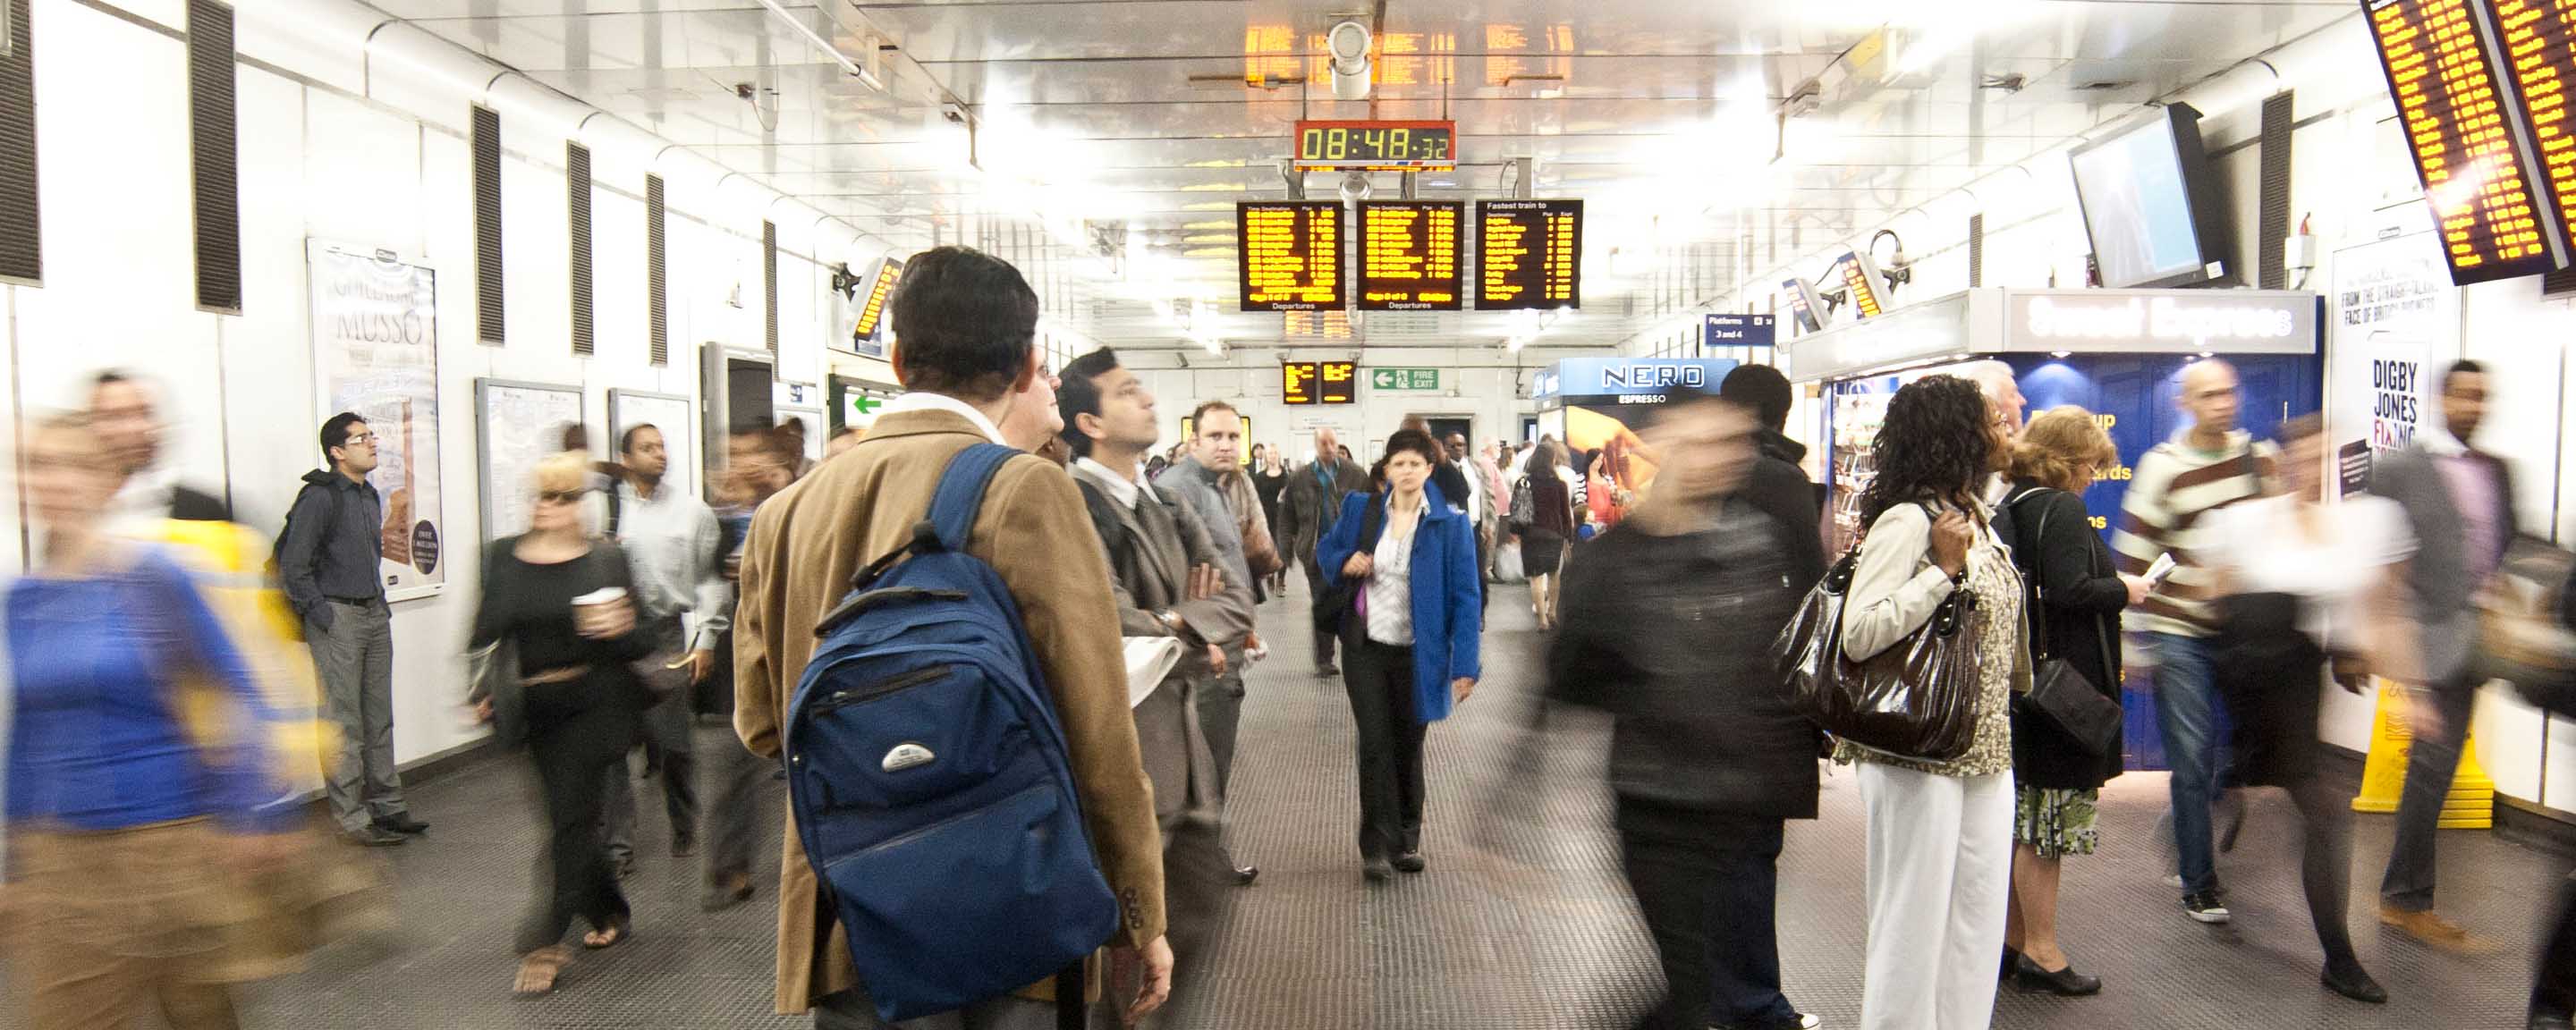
(590, 608)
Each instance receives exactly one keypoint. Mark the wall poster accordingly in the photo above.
(2396, 322)
(375, 343)
(517, 425)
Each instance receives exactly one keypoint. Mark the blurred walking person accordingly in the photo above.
(1269, 481)
(1549, 488)
(1778, 484)
(125, 412)
(2301, 585)
(2203, 469)
(130, 840)
(2075, 600)
(1672, 617)
(2459, 502)
(675, 546)
(559, 618)
(1940, 832)
(329, 560)
(1411, 637)
(759, 462)
(1308, 512)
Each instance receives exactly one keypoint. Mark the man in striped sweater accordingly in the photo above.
(2207, 467)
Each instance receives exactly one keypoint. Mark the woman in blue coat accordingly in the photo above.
(1410, 639)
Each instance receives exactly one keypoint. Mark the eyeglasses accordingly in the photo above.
(560, 496)
(368, 439)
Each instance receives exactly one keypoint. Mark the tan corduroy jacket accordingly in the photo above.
(804, 547)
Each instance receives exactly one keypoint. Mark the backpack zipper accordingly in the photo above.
(907, 681)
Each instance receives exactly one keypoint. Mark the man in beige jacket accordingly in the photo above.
(966, 320)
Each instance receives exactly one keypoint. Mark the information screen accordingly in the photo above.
(1297, 382)
(1409, 256)
(1531, 254)
(2469, 150)
(1381, 146)
(1340, 382)
(2538, 37)
(872, 306)
(1291, 254)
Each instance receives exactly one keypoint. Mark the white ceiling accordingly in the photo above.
(1119, 119)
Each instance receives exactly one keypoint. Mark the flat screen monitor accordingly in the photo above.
(2150, 204)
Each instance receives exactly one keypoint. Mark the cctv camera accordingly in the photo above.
(954, 112)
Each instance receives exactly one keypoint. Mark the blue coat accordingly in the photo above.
(1448, 614)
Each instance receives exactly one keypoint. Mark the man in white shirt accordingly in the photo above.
(675, 546)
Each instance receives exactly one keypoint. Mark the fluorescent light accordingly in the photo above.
(817, 39)
(2060, 353)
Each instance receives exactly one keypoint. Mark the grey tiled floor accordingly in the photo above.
(1522, 921)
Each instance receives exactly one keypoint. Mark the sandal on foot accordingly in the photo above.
(608, 936)
(539, 970)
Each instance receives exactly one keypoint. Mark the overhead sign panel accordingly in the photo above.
(1297, 382)
(872, 305)
(2472, 152)
(1409, 256)
(1378, 146)
(1530, 254)
(1860, 279)
(1290, 254)
(1339, 382)
(1727, 329)
(2540, 52)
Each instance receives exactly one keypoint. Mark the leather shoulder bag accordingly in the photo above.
(1917, 699)
(2060, 692)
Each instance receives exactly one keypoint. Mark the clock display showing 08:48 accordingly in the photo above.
(1357, 144)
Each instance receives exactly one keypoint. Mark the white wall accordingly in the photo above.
(1480, 385)
(368, 152)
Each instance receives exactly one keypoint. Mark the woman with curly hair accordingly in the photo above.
(1940, 832)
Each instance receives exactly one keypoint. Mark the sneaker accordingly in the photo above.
(2174, 880)
(2205, 907)
(1409, 862)
(1377, 870)
(374, 837)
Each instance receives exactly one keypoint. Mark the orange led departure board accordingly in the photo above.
(2540, 50)
(1530, 254)
(2471, 150)
(1340, 382)
(872, 307)
(1297, 382)
(1409, 256)
(1291, 254)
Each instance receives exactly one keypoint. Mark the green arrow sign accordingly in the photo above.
(1404, 378)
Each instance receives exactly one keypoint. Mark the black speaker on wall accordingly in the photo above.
(488, 310)
(22, 253)
(214, 162)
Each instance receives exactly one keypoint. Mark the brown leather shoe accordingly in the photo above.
(2435, 931)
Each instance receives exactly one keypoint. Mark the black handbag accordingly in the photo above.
(1917, 699)
(2060, 692)
(1342, 599)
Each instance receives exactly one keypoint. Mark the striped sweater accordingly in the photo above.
(2175, 488)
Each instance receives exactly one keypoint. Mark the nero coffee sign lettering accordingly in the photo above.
(2152, 321)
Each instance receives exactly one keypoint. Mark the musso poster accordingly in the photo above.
(375, 352)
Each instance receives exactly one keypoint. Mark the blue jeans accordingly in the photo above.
(2187, 716)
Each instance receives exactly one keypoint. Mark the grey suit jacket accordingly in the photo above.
(2444, 600)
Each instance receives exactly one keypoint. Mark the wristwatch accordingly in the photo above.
(1172, 620)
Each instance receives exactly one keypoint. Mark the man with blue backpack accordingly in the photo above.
(928, 641)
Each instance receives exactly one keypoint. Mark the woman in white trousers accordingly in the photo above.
(1940, 833)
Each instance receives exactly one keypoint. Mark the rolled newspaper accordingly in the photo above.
(1149, 659)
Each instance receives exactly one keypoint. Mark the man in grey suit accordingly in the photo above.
(2460, 503)
(1307, 511)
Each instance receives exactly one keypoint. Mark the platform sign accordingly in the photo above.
(1339, 382)
(1378, 146)
(2473, 153)
(1530, 254)
(1409, 256)
(1290, 254)
(1728, 329)
(1297, 382)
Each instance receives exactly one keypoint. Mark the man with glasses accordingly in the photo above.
(676, 548)
(328, 561)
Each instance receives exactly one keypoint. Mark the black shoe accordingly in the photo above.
(403, 824)
(2543, 1019)
(2065, 982)
(1409, 862)
(2206, 907)
(2012, 963)
(1800, 1021)
(1328, 670)
(726, 893)
(2354, 983)
(375, 837)
(625, 867)
(1243, 877)
(1377, 870)
(684, 847)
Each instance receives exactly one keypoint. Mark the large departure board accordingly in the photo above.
(1290, 255)
(1297, 382)
(2471, 151)
(1530, 254)
(2540, 52)
(1409, 256)
(1341, 382)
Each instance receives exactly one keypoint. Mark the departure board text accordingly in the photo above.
(1291, 255)
(880, 291)
(1340, 382)
(1297, 382)
(1530, 254)
(1409, 256)
(2468, 146)
(2540, 48)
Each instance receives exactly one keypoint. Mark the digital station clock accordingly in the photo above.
(1378, 146)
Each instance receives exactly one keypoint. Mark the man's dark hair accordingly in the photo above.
(792, 425)
(1077, 395)
(1764, 391)
(576, 437)
(2462, 367)
(626, 440)
(1198, 415)
(963, 321)
(335, 433)
(109, 377)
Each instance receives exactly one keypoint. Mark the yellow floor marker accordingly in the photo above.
(2471, 803)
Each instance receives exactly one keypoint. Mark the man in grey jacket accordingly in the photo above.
(1201, 481)
(2460, 503)
(674, 544)
(1170, 580)
(1307, 511)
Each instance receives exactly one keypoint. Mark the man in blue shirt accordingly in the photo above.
(329, 561)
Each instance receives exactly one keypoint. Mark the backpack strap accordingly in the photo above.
(961, 492)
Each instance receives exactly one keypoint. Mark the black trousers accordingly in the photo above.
(1315, 596)
(1379, 678)
(1707, 884)
(578, 733)
(2553, 989)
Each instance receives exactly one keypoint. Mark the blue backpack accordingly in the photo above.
(928, 778)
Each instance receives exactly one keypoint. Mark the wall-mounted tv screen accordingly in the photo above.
(2150, 203)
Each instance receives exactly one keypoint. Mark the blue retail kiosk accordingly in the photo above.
(2117, 353)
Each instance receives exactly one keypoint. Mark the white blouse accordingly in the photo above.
(2261, 545)
(1390, 586)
